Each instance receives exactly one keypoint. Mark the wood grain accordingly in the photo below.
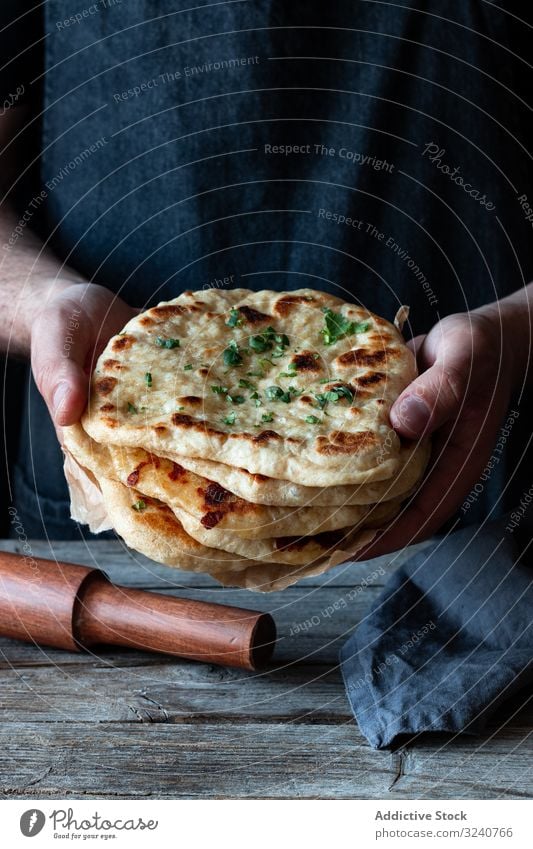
(147, 726)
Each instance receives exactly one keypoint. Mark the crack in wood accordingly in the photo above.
(399, 760)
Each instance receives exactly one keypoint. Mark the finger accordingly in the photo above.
(456, 464)
(61, 340)
(436, 396)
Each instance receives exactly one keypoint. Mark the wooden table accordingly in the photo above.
(122, 724)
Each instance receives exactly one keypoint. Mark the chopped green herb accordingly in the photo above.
(290, 373)
(255, 373)
(312, 420)
(324, 398)
(334, 395)
(229, 419)
(267, 417)
(259, 344)
(337, 326)
(220, 390)
(139, 505)
(254, 396)
(258, 402)
(276, 393)
(245, 384)
(148, 378)
(235, 399)
(167, 343)
(232, 355)
(132, 408)
(188, 367)
(344, 392)
(234, 318)
(267, 340)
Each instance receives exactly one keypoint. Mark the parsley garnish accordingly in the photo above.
(337, 326)
(276, 393)
(148, 378)
(229, 419)
(334, 395)
(188, 367)
(290, 373)
(139, 505)
(167, 343)
(234, 318)
(259, 344)
(312, 420)
(232, 355)
(132, 408)
(220, 390)
(245, 384)
(267, 340)
(267, 417)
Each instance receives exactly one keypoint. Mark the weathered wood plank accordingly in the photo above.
(246, 761)
(177, 693)
(191, 692)
(140, 724)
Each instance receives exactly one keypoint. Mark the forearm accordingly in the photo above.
(29, 275)
(513, 316)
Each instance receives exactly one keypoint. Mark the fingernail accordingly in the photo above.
(412, 414)
(59, 398)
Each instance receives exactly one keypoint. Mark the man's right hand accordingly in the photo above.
(67, 335)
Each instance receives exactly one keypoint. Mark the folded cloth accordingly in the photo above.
(448, 639)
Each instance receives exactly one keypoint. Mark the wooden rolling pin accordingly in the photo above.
(75, 607)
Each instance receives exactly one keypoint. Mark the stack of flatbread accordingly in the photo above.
(247, 434)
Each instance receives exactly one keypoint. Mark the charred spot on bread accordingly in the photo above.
(122, 343)
(265, 436)
(252, 316)
(105, 385)
(211, 519)
(214, 494)
(113, 365)
(190, 399)
(285, 304)
(306, 361)
(364, 357)
(177, 472)
(371, 378)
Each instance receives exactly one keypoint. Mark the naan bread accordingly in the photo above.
(296, 550)
(301, 395)
(207, 501)
(164, 532)
(259, 489)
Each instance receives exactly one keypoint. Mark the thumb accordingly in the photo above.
(61, 340)
(434, 397)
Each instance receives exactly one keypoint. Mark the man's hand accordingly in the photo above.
(67, 335)
(469, 365)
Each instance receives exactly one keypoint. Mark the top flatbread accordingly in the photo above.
(290, 401)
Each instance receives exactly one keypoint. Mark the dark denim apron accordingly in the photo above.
(364, 148)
